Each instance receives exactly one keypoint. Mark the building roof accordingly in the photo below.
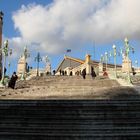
(80, 61)
(75, 59)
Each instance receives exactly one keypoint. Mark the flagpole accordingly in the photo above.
(68, 51)
(94, 50)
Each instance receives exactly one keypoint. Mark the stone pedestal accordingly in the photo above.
(48, 69)
(126, 65)
(100, 69)
(21, 67)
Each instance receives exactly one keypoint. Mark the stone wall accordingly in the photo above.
(1, 22)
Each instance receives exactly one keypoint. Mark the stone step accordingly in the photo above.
(42, 122)
(70, 119)
(58, 95)
(69, 103)
(60, 132)
(69, 137)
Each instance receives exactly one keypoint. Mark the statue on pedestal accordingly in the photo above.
(127, 48)
(22, 63)
(48, 66)
(48, 69)
(127, 63)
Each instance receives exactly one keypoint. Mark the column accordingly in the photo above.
(87, 61)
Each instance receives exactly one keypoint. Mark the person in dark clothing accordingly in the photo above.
(63, 72)
(53, 72)
(28, 68)
(71, 73)
(5, 71)
(84, 73)
(134, 73)
(13, 80)
(105, 74)
(60, 71)
(93, 74)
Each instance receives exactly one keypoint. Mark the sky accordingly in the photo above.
(84, 26)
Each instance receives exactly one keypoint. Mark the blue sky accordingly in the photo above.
(52, 27)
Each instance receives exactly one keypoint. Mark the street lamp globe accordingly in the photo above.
(126, 40)
(47, 59)
(10, 51)
(114, 46)
(101, 59)
(136, 61)
(6, 43)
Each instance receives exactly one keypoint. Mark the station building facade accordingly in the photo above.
(75, 66)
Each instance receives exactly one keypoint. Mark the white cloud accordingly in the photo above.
(17, 45)
(71, 23)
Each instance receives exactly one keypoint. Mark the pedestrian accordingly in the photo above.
(71, 73)
(5, 71)
(60, 71)
(13, 80)
(53, 72)
(93, 74)
(84, 73)
(63, 72)
(105, 74)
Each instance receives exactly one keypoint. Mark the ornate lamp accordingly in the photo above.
(114, 55)
(26, 54)
(5, 54)
(106, 59)
(38, 59)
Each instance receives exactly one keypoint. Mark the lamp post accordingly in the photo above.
(136, 62)
(101, 59)
(47, 59)
(106, 59)
(9, 64)
(5, 54)
(127, 50)
(26, 54)
(101, 65)
(38, 59)
(114, 55)
(48, 65)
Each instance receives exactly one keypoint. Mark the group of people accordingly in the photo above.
(93, 74)
(62, 72)
(14, 77)
(83, 73)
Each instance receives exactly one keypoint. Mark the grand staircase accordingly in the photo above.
(114, 119)
(68, 108)
(59, 87)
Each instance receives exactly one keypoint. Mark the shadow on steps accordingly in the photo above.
(117, 118)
